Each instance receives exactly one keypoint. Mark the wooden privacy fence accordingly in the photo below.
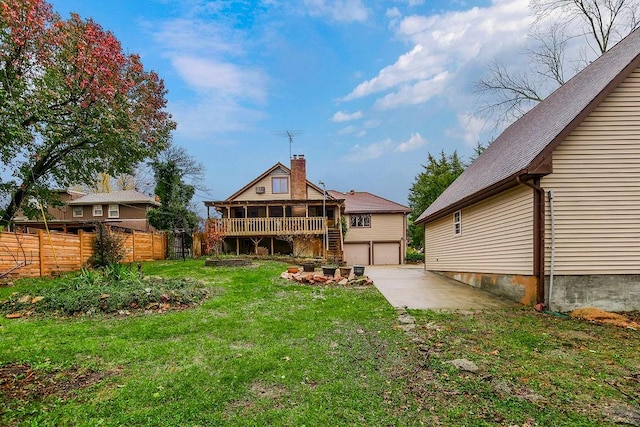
(42, 254)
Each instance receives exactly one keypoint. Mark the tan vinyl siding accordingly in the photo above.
(596, 184)
(497, 237)
(386, 227)
(266, 182)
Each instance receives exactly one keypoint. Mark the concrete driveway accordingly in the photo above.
(411, 286)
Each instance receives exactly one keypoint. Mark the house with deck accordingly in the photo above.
(550, 212)
(282, 212)
(376, 229)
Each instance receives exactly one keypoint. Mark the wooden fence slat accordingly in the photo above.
(72, 252)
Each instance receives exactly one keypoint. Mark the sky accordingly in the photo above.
(366, 88)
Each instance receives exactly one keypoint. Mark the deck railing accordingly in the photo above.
(267, 226)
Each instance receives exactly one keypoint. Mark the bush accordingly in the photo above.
(108, 247)
(414, 255)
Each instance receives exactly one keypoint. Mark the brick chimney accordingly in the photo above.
(298, 177)
(299, 183)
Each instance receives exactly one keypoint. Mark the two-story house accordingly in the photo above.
(281, 211)
(125, 209)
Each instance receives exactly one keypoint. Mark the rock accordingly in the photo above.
(406, 319)
(623, 414)
(319, 278)
(13, 315)
(25, 299)
(285, 275)
(104, 296)
(343, 282)
(464, 365)
(36, 300)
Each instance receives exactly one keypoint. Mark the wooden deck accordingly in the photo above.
(267, 226)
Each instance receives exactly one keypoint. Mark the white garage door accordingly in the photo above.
(356, 253)
(386, 253)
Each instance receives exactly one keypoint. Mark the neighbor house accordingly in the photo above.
(550, 212)
(280, 211)
(125, 209)
(376, 229)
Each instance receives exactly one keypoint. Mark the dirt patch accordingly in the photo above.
(20, 381)
(601, 316)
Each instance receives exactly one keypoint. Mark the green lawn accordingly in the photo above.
(261, 351)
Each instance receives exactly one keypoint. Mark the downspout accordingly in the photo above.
(553, 246)
(538, 237)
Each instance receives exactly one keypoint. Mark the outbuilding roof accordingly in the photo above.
(524, 148)
(364, 202)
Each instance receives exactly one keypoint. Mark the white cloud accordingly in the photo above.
(225, 78)
(198, 121)
(210, 59)
(414, 94)
(359, 153)
(338, 10)
(341, 116)
(469, 128)
(415, 141)
(444, 44)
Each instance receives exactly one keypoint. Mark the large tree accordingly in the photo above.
(72, 105)
(172, 168)
(565, 37)
(438, 174)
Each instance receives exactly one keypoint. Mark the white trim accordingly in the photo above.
(457, 223)
(78, 211)
(97, 210)
(114, 211)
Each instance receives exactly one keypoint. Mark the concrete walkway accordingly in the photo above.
(411, 286)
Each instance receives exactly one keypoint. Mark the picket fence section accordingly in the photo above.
(44, 254)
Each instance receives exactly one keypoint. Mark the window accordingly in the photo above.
(97, 210)
(114, 211)
(457, 223)
(77, 211)
(280, 185)
(360, 221)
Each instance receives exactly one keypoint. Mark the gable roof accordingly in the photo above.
(364, 202)
(124, 196)
(262, 176)
(524, 148)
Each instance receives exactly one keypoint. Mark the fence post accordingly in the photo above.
(133, 245)
(153, 245)
(41, 251)
(80, 238)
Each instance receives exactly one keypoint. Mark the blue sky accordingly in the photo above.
(370, 86)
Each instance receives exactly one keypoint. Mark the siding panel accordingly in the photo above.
(497, 237)
(596, 184)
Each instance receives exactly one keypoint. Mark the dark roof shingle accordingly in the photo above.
(364, 202)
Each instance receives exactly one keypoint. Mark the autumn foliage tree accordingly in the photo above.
(72, 104)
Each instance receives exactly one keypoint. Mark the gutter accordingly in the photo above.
(538, 235)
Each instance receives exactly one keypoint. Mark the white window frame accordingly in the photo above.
(78, 211)
(360, 220)
(457, 223)
(97, 210)
(280, 180)
(114, 211)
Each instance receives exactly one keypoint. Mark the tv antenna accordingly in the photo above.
(289, 134)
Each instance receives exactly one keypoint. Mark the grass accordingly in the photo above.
(264, 351)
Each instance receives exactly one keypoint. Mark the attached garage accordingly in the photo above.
(356, 253)
(387, 253)
(376, 229)
(383, 253)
